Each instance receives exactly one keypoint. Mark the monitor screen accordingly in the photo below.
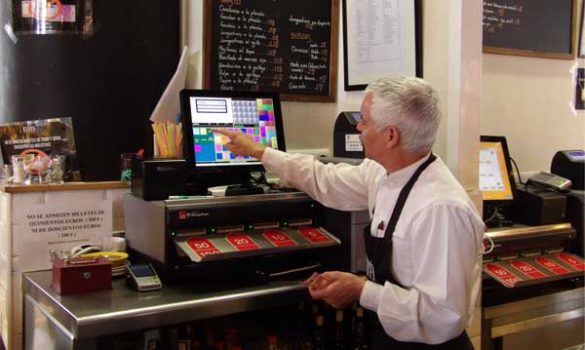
(353, 117)
(254, 113)
(496, 181)
(576, 156)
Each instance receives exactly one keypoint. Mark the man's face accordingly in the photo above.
(372, 139)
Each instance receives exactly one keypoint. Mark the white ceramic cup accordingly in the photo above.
(114, 244)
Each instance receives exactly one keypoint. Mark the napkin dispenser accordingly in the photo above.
(81, 275)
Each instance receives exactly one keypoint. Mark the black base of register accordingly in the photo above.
(255, 237)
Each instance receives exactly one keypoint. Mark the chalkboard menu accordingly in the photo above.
(281, 46)
(542, 28)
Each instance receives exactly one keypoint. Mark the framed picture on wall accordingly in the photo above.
(381, 38)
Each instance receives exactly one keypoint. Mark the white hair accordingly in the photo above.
(410, 104)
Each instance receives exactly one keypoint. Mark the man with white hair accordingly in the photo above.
(425, 238)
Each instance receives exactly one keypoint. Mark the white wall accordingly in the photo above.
(525, 99)
(529, 100)
(310, 125)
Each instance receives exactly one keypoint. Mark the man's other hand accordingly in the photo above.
(336, 288)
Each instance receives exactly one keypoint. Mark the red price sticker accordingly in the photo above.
(551, 266)
(313, 234)
(502, 274)
(573, 261)
(528, 269)
(242, 242)
(278, 238)
(202, 246)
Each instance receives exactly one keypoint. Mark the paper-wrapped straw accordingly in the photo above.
(168, 139)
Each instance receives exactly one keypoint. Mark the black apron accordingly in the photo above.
(379, 251)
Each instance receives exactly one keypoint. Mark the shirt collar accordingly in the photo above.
(401, 177)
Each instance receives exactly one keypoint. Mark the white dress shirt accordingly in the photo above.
(437, 243)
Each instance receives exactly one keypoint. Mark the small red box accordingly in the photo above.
(82, 275)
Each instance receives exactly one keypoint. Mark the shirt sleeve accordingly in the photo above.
(339, 186)
(446, 250)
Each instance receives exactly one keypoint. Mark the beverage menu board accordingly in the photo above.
(283, 46)
(541, 28)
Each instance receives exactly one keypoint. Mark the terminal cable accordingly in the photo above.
(493, 216)
(491, 245)
(261, 179)
(517, 171)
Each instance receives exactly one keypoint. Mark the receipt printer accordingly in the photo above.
(346, 137)
(535, 206)
(156, 179)
(571, 165)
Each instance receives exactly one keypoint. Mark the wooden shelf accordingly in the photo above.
(67, 186)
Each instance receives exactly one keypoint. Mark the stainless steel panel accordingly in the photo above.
(123, 309)
(144, 219)
(536, 322)
(506, 233)
(359, 220)
(532, 303)
(534, 313)
(207, 202)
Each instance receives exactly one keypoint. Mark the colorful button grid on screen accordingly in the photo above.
(264, 116)
(197, 148)
(221, 139)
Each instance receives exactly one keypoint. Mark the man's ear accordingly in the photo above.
(392, 134)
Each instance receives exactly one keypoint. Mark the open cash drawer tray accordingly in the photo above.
(253, 242)
(538, 269)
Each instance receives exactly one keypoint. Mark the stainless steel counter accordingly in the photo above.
(543, 311)
(75, 321)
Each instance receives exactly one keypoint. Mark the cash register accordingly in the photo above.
(256, 232)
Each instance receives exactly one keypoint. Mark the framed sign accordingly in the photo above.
(283, 46)
(536, 28)
(381, 38)
(44, 137)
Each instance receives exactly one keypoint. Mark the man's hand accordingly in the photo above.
(336, 288)
(242, 144)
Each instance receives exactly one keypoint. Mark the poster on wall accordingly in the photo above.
(45, 137)
(381, 38)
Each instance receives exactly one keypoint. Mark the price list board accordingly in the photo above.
(283, 46)
(538, 28)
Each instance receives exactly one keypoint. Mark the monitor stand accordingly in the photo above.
(229, 184)
(243, 189)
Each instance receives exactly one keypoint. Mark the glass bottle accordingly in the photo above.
(338, 335)
(358, 330)
(319, 333)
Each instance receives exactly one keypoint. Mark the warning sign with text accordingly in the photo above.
(60, 227)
